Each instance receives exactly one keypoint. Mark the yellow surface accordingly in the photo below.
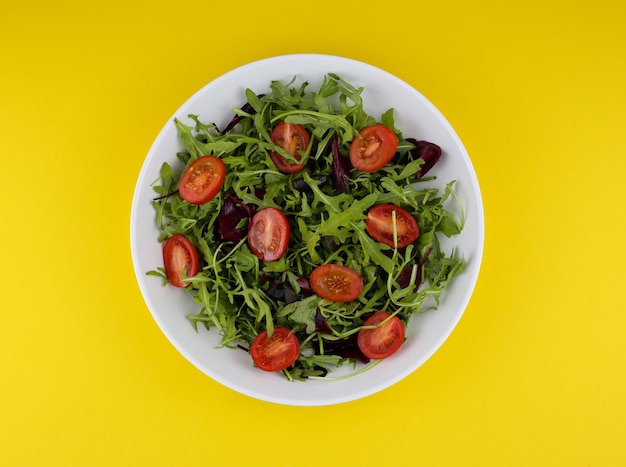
(534, 374)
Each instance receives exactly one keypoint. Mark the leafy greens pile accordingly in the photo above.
(326, 204)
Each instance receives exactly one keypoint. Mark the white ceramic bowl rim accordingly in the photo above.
(416, 117)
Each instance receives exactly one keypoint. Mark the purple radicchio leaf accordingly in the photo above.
(405, 276)
(233, 212)
(429, 152)
(321, 325)
(341, 169)
(301, 185)
(305, 286)
(237, 118)
(282, 290)
(345, 348)
(259, 193)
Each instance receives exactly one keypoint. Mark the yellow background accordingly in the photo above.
(533, 375)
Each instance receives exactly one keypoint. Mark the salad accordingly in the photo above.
(304, 230)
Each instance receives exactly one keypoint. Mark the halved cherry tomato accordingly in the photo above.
(337, 283)
(179, 254)
(379, 224)
(202, 180)
(382, 341)
(292, 138)
(376, 146)
(277, 352)
(268, 234)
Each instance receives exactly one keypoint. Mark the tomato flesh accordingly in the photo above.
(202, 180)
(384, 340)
(380, 226)
(277, 352)
(179, 255)
(292, 138)
(337, 283)
(268, 234)
(374, 148)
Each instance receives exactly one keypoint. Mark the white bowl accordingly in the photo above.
(416, 117)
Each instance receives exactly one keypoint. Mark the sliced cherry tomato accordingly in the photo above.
(202, 180)
(337, 283)
(292, 138)
(379, 224)
(376, 146)
(268, 234)
(382, 341)
(277, 352)
(179, 254)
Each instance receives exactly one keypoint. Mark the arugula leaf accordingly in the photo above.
(302, 312)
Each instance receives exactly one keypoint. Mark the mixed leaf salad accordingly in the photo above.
(303, 229)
